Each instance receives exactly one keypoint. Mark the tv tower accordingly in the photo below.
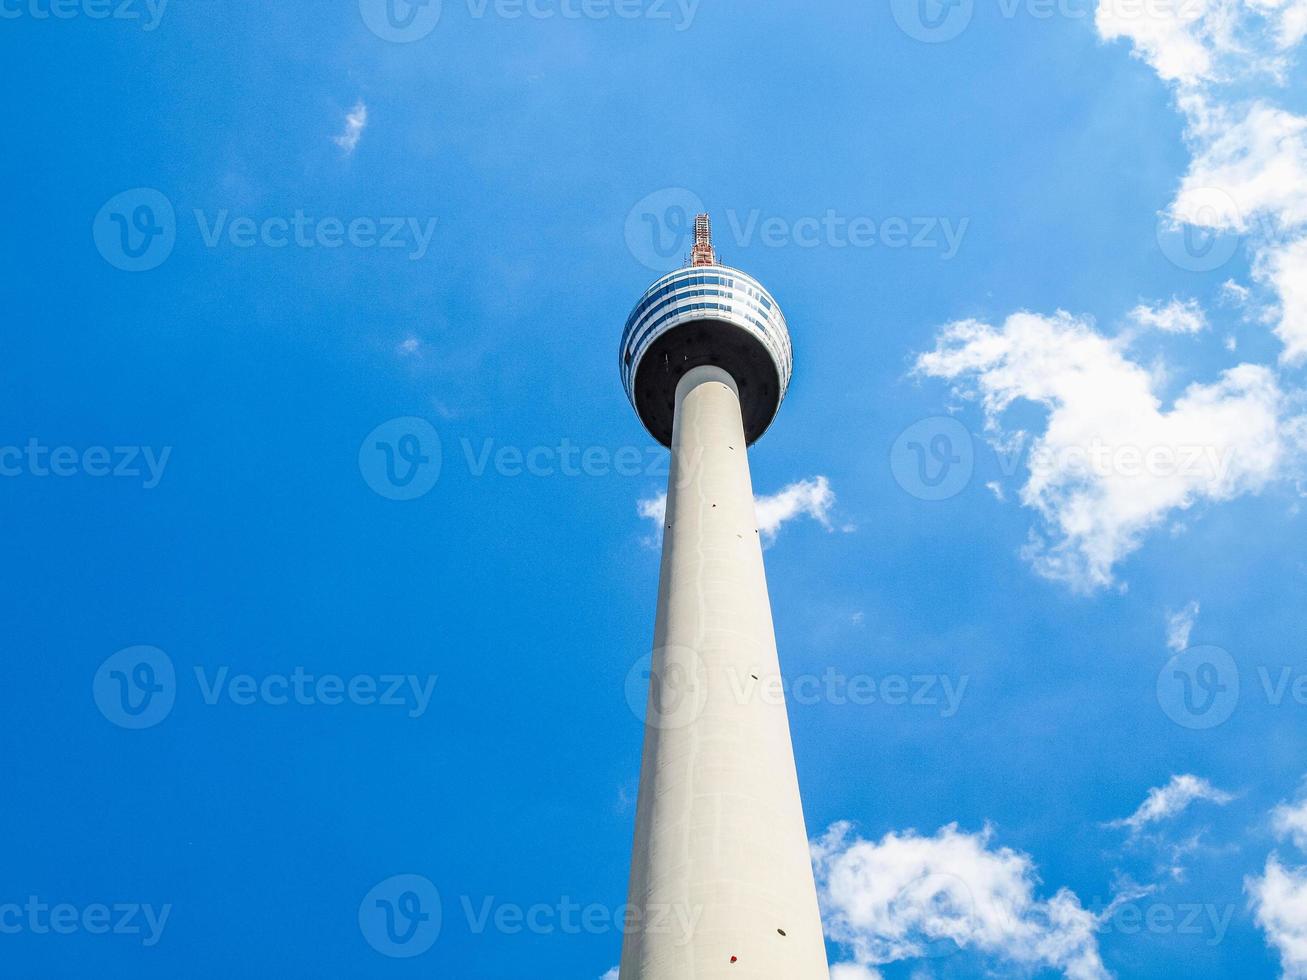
(721, 879)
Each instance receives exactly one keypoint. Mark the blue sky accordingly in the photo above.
(246, 247)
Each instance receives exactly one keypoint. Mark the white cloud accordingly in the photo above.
(1289, 820)
(1178, 39)
(1112, 462)
(1279, 903)
(1293, 23)
(1233, 293)
(853, 971)
(356, 120)
(1255, 158)
(1169, 801)
(1284, 269)
(1175, 853)
(1257, 155)
(610, 975)
(1288, 19)
(409, 346)
(898, 898)
(653, 508)
(1279, 897)
(1180, 624)
(1175, 317)
(1198, 42)
(1248, 172)
(813, 498)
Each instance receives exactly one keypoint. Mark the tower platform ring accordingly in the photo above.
(706, 314)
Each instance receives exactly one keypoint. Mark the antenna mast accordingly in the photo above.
(702, 253)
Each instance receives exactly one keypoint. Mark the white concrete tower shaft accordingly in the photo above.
(721, 880)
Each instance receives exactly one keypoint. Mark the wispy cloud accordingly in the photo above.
(811, 498)
(1180, 624)
(356, 120)
(1177, 316)
(1233, 293)
(1169, 801)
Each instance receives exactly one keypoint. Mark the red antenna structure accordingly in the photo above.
(702, 253)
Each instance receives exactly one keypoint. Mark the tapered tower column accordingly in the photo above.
(721, 880)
